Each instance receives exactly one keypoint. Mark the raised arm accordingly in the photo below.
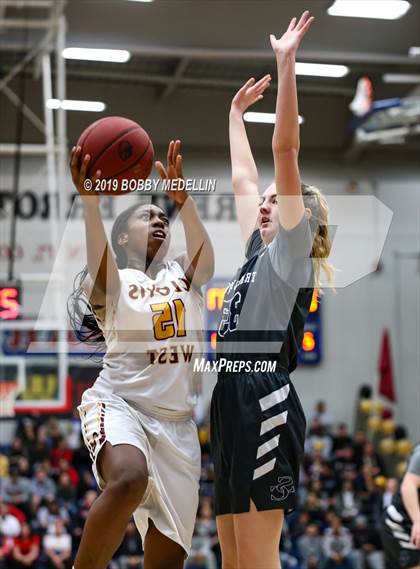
(198, 262)
(286, 130)
(244, 170)
(104, 280)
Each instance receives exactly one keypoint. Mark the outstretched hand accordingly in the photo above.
(173, 172)
(290, 40)
(78, 168)
(250, 93)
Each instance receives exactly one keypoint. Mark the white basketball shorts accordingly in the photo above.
(173, 456)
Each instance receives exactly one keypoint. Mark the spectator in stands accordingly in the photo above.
(130, 553)
(298, 522)
(347, 502)
(372, 459)
(321, 414)
(42, 484)
(65, 466)
(337, 545)
(24, 467)
(310, 547)
(57, 547)
(53, 431)
(342, 438)
(42, 450)
(28, 437)
(16, 489)
(60, 452)
(49, 512)
(328, 479)
(16, 450)
(26, 549)
(6, 548)
(390, 489)
(367, 543)
(9, 524)
(80, 516)
(314, 509)
(345, 467)
(66, 491)
(318, 440)
(87, 482)
(359, 443)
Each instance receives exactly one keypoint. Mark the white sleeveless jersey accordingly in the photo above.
(153, 332)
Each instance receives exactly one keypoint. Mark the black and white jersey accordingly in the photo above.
(396, 526)
(266, 304)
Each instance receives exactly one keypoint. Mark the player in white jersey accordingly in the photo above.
(136, 419)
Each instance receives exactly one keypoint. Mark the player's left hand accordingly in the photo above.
(415, 534)
(173, 171)
(290, 40)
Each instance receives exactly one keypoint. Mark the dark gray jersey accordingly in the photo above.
(414, 468)
(266, 304)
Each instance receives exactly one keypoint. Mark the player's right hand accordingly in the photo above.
(250, 93)
(415, 534)
(78, 167)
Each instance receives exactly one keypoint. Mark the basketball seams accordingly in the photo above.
(132, 165)
(120, 135)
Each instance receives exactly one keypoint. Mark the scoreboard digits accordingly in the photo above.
(10, 301)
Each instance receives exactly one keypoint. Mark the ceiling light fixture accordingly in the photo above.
(380, 9)
(72, 105)
(400, 78)
(89, 54)
(264, 118)
(321, 69)
(414, 51)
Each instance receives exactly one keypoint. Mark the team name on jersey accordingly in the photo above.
(245, 278)
(171, 354)
(136, 291)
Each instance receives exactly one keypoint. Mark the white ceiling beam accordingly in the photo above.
(16, 23)
(29, 3)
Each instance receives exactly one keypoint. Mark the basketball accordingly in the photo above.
(121, 149)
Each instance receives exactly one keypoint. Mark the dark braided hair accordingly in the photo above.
(79, 309)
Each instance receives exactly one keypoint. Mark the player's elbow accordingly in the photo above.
(285, 149)
(207, 272)
(241, 182)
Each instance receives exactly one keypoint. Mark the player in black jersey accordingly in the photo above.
(401, 520)
(257, 422)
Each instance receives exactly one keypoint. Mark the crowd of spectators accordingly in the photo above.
(47, 488)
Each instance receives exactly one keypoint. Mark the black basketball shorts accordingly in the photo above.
(399, 552)
(257, 439)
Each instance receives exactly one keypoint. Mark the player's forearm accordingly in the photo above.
(102, 267)
(286, 129)
(409, 492)
(244, 169)
(199, 246)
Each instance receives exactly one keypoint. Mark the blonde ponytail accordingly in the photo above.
(321, 248)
